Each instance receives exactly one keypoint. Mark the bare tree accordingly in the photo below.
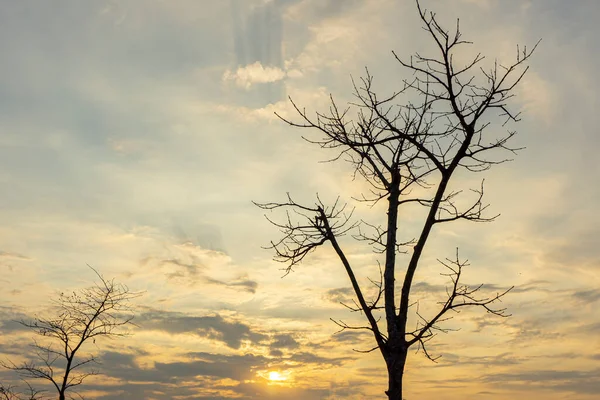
(82, 316)
(408, 146)
(9, 393)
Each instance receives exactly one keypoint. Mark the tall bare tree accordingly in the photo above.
(80, 317)
(408, 146)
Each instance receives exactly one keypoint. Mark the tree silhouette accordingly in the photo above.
(80, 317)
(9, 393)
(408, 146)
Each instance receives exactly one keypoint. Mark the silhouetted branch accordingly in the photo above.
(306, 228)
(312, 227)
(458, 296)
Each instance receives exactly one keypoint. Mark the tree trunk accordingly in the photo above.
(395, 366)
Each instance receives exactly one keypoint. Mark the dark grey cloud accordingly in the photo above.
(352, 336)
(592, 329)
(275, 353)
(371, 372)
(17, 256)
(587, 296)
(531, 286)
(530, 329)
(503, 359)
(244, 283)
(311, 358)
(577, 381)
(483, 321)
(247, 285)
(287, 308)
(283, 341)
(339, 295)
(214, 327)
(426, 287)
(237, 367)
(194, 272)
(192, 269)
(9, 320)
(354, 342)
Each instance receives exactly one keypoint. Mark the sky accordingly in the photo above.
(135, 134)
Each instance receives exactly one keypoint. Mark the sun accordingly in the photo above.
(276, 376)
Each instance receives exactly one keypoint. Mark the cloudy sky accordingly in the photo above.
(134, 135)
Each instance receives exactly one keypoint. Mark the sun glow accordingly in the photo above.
(276, 376)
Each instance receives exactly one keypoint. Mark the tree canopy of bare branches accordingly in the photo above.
(408, 146)
(99, 311)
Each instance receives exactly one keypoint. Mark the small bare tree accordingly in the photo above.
(82, 316)
(408, 151)
(9, 393)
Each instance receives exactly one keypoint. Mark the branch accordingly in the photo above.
(459, 296)
(315, 226)
(306, 228)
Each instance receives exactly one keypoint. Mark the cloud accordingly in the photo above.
(539, 97)
(15, 256)
(426, 287)
(499, 359)
(311, 358)
(191, 268)
(587, 296)
(9, 318)
(577, 381)
(592, 329)
(247, 285)
(192, 264)
(251, 74)
(339, 295)
(283, 341)
(353, 337)
(238, 367)
(213, 327)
